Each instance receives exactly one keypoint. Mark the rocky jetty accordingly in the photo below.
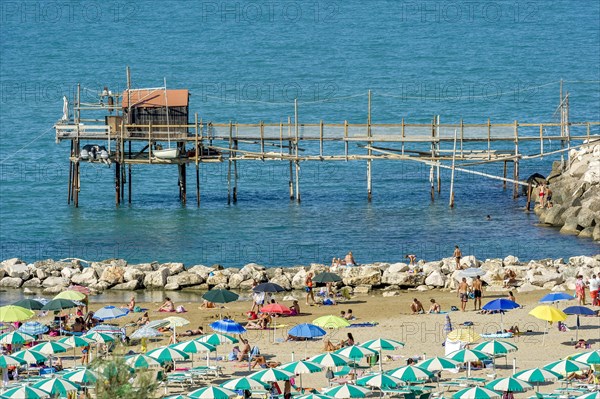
(50, 276)
(575, 194)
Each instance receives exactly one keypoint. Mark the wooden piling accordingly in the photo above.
(117, 183)
(297, 132)
(291, 180)
(129, 177)
(230, 144)
(69, 192)
(196, 159)
(504, 175)
(77, 180)
(432, 159)
(516, 162)
(369, 153)
(437, 146)
(452, 174)
(529, 188)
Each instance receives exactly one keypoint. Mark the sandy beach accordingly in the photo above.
(423, 334)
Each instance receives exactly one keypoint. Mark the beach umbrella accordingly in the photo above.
(7, 361)
(508, 384)
(59, 304)
(30, 356)
(227, 326)
(271, 375)
(99, 338)
(268, 287)
(110, 312)
(220, 296)
(476, 393)
(34, 328)
(439, 363)
(495, 347)
(195, 346)
(355, 352)
(382, 344)
(167, 354)
(327, 277)
(82, 376)
(579, 310)
(306, 330)
(12, 313)
(467, 355)
(176, 321)
(24, 392)
(591, 395)
(548, 314)
(314, 396)
(410, 373)
(592, 357)
(76, 341)
(15, 338)
(566, 367)
(244, 383)
(330, 359)
(106, 329)
(501, 305)
(71, 295)
(556, 297)
(537, 375)
(301, 367)
(142, 362)
(6, 327)
(30, 304)
(217, 339)
(157, 323)
(331, 322)
(346, 391)
(56, 386)
(177, 397)
(464, 335)
(145, 332)
(51, 347)
(212, 392)
(380, 381)
(276, 308)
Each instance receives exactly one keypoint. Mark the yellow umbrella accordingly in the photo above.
(71, 295)
(463, 335)
(11, 313)
(331, 322)
(549, 314)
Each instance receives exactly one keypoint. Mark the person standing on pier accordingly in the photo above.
(457, 255)
(309, 289)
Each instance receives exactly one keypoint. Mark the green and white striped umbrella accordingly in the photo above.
(76, 342)
(194, 346)
(212, 392)
(438, 364)
(244, 383)
(99, 338)
(142, 362)
(330, 359)
(592, 357)
(345, 391)
(271, 375)
(476, 393)
(301, 367)
(166, 354)
(467, 355)
(217, 339)
(82, 376)
(177, 397)
(410, 373)
(51, 348)
(508, 384)
(355, 352)
(15, 338)
(566, 367)
(537, 375)
(591, 395)
(56, 386)
(495, 347)
(30, 356)
(7, 361)
(314, 396)
(24, 392)
(380, 381)
(382, 344)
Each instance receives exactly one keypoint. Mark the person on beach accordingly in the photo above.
(145, 319)
(548, 197)
(350, 259)
(412, 259)
(463, 293)
(594, 286)
(477, 292)
(457, 255)
(190, 333)
(168, 306)
(435, 307)
(244, 351)
(511, 297)
(542, 193)
(349, 341)
(510, 277)
(295, 308)
(349, 315)
(85, 355)
(416, 306)
(308, 283)
(580, 290)
(131, 304)
(260, 360)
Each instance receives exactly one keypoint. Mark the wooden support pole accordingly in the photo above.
(529, 188)
(229, 158)
(70, 175)
(129, 176)
(184, 181)
(432, 159)
(235, 169)
(262, 139)
(117, 183)
(462, 136)
(369, 152)
(321, 139)
(77, 184)
(489, 139)
(403, 136)
(516, 162)
(504, 175)
(346, 140)
(452, 174)
(196, 159)
(291, 180)
(297, 132)
(438, 174)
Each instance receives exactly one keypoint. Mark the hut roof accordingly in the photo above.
(152, 98)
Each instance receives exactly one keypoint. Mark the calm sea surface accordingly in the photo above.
(247, 61)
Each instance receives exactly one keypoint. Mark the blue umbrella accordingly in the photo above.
(556, 297)
(306, 330)
(110, 312)
(33, 328)
(579, 310)
(501, 305)
(227, 326)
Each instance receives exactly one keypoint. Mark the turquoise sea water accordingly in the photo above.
(246, 62)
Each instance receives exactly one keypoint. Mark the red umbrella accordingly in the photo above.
(276, 308)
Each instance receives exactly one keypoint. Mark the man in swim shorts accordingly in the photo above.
(477, 292)
(463, 293)
(457, 256)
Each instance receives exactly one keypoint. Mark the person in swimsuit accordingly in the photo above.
(463, 293)
(416, 306)
(308, 283)
(412, 259)
(457, 256)
(435, 307)
(477, 292)
(580, 290)
(542, 194)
